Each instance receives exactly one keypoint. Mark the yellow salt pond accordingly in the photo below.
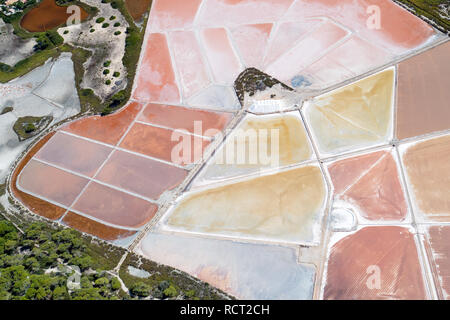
(259, 143)
(356, 116)
(282, 207)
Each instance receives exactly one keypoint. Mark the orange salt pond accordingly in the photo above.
(185, 118)
(46, 16)
(286, 206)
(161, 144)
(371, 183)
(108, 129)
(427, 164)
(356, 116)
(354, 261)
(423, 93)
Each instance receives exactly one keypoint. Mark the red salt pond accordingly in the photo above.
(185, 118)
(252, 41)
(108, 129)
(438, 246)
(371, 182)
(50, 183)
(156, 79)
(423, 93)
(157, 142)
(189, 61)
(111, 206)
(222, 59)
(143, 176)
(173, 14)
(354, 263)
(73, 153)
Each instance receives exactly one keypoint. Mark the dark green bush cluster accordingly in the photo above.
(25, 258)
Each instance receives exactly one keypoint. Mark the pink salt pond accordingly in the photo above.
(50, 184)
(75, 154)
(371, 183)
(398, 30)
(224, 62)
(156, 79)
(233, 12)
(252, 40)
(146, 177)
(110, 205)
(107, 186)
(172, 14)
(306, 51)
(387, 251)
(189, 62)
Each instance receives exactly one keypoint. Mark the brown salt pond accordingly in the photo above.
(371, 183)
(423, 93)
(427, 166)
(286, 206)
(354, 261)
(95, 228)
(137, 8)
(46, 16)
(438, 246)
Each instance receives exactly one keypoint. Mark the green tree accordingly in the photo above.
(140, 289)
